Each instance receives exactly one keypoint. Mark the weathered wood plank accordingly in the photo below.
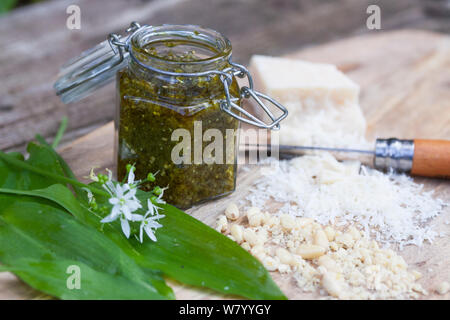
(35, 42)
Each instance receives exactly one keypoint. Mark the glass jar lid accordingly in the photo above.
(98, 66)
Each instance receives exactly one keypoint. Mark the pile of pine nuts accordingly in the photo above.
(333, 263)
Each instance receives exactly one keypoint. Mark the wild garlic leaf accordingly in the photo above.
(33, 228)
(51, 276)
(187, 250)
(191, 252)
(15, 178)
(67, 170)
(194, 253)
(62, 197)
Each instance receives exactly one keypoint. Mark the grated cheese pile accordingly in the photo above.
(390, 208)
(322, 127)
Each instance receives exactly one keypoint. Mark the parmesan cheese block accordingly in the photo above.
(322, 102)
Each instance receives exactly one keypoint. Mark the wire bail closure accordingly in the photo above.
(247, 93)
(97, 66)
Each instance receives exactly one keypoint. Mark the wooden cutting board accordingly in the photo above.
(405, 92)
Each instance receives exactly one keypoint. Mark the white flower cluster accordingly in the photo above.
(125, 204)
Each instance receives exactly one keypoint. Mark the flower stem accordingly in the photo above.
(59, 134)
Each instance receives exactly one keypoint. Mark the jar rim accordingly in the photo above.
(190, 33)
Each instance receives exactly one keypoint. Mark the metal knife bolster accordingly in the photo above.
(394, 153)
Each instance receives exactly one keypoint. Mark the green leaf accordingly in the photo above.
(191, 252)
(51, 277)
(63, 197)
(13, 170)
(39, 241)
(187, 250)
(58, 194)
(67, 171)
(13, 178)
(7, 5)
(60, 133)
(194, 253)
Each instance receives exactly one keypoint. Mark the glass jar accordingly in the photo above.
(178, 106)
(153, 106)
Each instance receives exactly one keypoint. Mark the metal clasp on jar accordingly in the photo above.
(247, 93)
(226, 77)
(98, 66)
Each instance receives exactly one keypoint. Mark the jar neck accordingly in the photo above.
(178, 49)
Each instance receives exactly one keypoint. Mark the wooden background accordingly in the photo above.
(405, 80)
(35, 42)
(406, 95)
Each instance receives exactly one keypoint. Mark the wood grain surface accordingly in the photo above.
(35, 42)
(405, 81)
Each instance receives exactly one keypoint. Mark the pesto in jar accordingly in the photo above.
(152, 105)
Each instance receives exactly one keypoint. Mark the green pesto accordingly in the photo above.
(152, 105)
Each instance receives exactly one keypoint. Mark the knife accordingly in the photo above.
(418, 157)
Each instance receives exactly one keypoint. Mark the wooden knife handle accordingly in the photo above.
(431, 158)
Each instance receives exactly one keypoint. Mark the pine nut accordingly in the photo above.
(329, 231)
(232, 211)
(443, 287)
(260, 256)
(252, 211)
(284, 256)
(284, 268)
(310, 251)
(328, 263)
(237, 233)
(251, 237)
(245, 246)
(270, 263)
(287, 222)
(257, 250)
(222, 224)
(255, 220)
(331, 284)
(321, 239)
(262, 235)
(272, 221)
(265, 217)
